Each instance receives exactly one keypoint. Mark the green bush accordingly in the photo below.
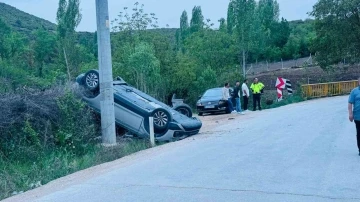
(49, 134)
(287, 99)
(14, 78)
(78, 130)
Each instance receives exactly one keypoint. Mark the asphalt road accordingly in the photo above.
(301, 152)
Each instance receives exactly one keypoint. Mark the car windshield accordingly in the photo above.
(212, 93)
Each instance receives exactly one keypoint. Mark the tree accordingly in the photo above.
(184, 26)
(268, 13)
(222, 26)
(231, 17)
(183, 32)
(197, 20)
(207, 79)
(212, 49)
(135, 48)
(183, 75)
(132, 26)
(134, 23)
(280, 33)
(5, 32)
(11, 43)
(44, 47)
(145, 67)
(68, 18)
(244, 18)
(337, 27)
(178, 40)
(292, 48)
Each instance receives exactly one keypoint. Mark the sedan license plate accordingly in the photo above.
(210, 107)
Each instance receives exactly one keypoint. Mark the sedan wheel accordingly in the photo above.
(162, 118)
(92, 80)
(184, 109)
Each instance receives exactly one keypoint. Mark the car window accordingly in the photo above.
(213, 93)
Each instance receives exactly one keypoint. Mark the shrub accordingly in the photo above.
(49, 134)
(32, 124)
(78, 129)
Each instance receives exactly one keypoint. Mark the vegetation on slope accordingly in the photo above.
(22, 22)
(47, 132)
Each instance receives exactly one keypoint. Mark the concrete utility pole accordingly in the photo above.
(105, 71)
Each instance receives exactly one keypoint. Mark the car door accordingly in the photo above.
(127, 113)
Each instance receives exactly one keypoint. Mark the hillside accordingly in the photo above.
(26, 23)
(23, 22)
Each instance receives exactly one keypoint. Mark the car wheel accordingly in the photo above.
(201, 114)
(92, 80)
(227, 111)
(184, 109)
(162, 118)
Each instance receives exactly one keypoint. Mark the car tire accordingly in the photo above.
(201, 114)
(92, 80)
(184, 109)
(227, 111)
(162, 119)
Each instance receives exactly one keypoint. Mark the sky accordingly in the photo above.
(168, 11)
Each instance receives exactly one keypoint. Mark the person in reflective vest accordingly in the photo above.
(257, 88)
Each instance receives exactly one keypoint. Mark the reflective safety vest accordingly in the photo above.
(257, 87)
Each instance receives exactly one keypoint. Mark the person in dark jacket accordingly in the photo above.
(236, 95)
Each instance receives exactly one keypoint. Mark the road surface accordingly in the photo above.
(300, 152)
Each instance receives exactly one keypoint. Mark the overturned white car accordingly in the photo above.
(133, 109)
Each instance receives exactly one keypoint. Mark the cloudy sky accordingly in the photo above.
(168, 11)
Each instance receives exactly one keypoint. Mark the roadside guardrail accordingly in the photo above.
(328, 89)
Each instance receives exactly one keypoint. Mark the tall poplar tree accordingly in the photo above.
(231, 17)
(68, 18)
(244, 21)
(197, 20)
(184, 25)
(183, 33)
(268, 13)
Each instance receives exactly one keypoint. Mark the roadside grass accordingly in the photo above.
(20, 176)
(296, 98)
(45, 135)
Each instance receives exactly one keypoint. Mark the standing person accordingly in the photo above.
(236, 95)
(246, 94)
(354, 111)
(257, 88)
(227, 98)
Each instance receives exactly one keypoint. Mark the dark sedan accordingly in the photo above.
(211, 102)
